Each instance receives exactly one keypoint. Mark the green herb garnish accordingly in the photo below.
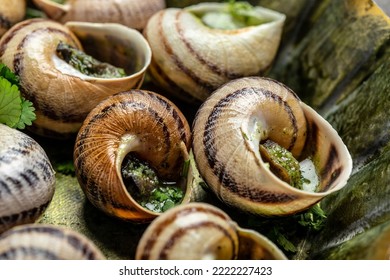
(15, 110)
(146, 188)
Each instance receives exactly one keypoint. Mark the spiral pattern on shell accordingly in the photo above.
(26, 179)
(201, 231)
(62, 95)
(46, 242)
(227, 133)
(132, 13)
(135, 121)
(190, 59)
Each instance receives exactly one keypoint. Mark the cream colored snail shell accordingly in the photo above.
(46, 242)
(62, 95)
(190, 59)
(227, 133)
(137, 121)
(11, 13)
(26, 179)
(132, 13)
(197, 231)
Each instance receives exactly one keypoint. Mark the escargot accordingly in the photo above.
(262, 150)
(132, 13)
(64, 83)
(131, 148)
(11, 14)
(197, 230)
(26, 179)
(46, 242)
(199, 48)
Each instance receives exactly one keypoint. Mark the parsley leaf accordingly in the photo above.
(15, 111)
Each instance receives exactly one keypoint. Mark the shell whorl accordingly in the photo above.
(196, 231)
(227, 133)
(136, 121)
(191, 60)
(132, 13)
(62, 100)
(46, 242)
(26, 179)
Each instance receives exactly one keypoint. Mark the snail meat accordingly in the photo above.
(254, 140)
(136, 128)
(86, 64)
(27, 179)
(62, 95)
(201, 231)
(192, 57)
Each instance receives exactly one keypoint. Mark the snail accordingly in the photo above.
(26, 179)
(11, 14)
(132, 13)
(193, 54)
(41, 51)
(131, 145)
(46, 242)
(197, 230)
(263, 151)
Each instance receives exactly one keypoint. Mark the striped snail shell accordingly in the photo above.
(46, 242)
(26, 179)
(132, 13)
(62, 95)
(197, 231)
(244, 113)
(136, 121)
(190, 59)
(11, 14)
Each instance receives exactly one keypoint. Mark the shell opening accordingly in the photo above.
(86, 64)
(142, 181)
(232, 15)
(115, 44)
(145, 186)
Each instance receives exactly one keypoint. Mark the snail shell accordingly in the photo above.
(227, 133)
(62, 95)
(135, 121)
(26, 179)
(11, 14)
(190, 59)
(132, 13)
(46, 242)
(201, 231)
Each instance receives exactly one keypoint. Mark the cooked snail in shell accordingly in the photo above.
(130, 153)
(26, 179)
(132, 13)
(64, 83)
(11, 14)
(260, 149)
(199, 48)
(200, 231)
(46, 242)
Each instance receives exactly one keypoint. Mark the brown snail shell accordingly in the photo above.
(46, 242)
(137, 121)
(132, 13)
(11, 14)
(196, 231)
(190, 59)
(26, 179)
(62, 95)
(227, 133)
